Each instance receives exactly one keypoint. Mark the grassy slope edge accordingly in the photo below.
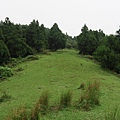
(62, 70)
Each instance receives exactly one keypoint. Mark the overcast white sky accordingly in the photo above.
(70, 15)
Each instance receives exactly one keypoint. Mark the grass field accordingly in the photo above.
(58, 72)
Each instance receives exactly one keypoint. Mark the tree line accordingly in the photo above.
(22, 40)
(104, 48)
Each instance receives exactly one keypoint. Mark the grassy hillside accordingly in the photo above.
(60, 71)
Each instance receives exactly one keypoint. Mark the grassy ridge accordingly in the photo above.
(62, 70)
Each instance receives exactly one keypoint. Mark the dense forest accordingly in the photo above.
(18, 40)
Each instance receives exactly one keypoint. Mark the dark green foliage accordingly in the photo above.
(32, 35)
(13, 38)
(90, 97)
(36, 36)
(117, 67)
(10, 31)
(18, 47)
(43, 38)
(4, 52)
(1, 35)
(56, 39)
(87, 42)
(21, 40)
(65, 99)
(108, 53)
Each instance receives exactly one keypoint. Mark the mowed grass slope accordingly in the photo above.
(58, 72)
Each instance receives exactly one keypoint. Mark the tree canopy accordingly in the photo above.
(87, 41)
(56, 39)
(22, 40)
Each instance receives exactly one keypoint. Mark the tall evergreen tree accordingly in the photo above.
(87, 42)
(36, 36)
(108, 53)
(32, 35)
(4, 52)
(1, 35)
(43, 38)
(56, 38)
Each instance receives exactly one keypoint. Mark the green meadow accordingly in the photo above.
(58, 72)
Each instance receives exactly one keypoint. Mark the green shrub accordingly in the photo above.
(65, 99)
(90, 97)
(5, 72)
(31, 57)
(46, 52)
(14, 62)
(113, 114)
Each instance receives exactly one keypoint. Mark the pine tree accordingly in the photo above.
(4, 52)
(56, 38)
(87, 42)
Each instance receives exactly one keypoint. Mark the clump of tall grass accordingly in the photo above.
(113, 114)
(41, 106)
(18, 114)
(44, 102)
(90, 97)
(65, 99)
(35, 112)
(30, 58)
(5, 97)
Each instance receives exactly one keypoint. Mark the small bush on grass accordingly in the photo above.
(19, 69)
(46, 52)
(14, 62)
(5, 72)
(90, 97)
(113, 114)
(31, 57)
(5, 97)
(18, 114)
(65, 99)
(88, 56)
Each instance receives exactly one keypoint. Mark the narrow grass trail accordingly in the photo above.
(58, 72)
